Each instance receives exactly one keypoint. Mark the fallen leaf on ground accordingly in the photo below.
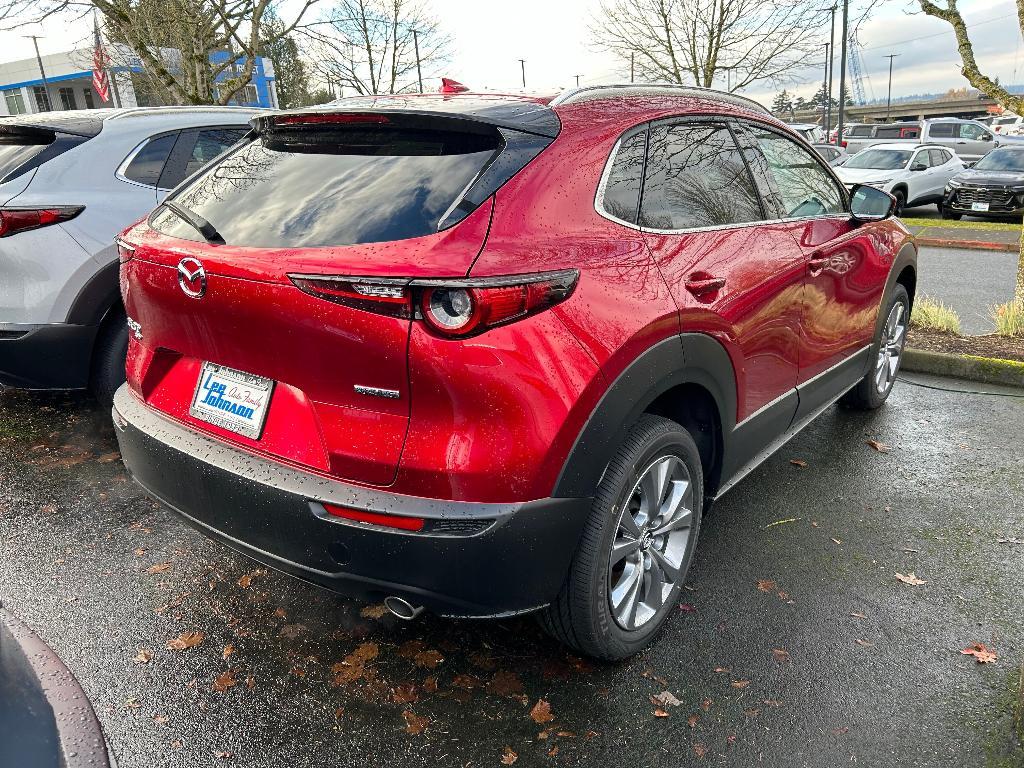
(783, 522)
(981, 653)
(222, 755)
(878, 446)
(865, 643)
(133, 703)
(106, 458)
(687, 608)
(373, 611)
(741, 684)
(292, 631)
(363, 653)
(414, 724)
(706, 705)
(505, 684)
(659, 712)
(158, 568)
(228, 650)
(541, 712)
(428, 659)
(798, 463)
(858, 615)
(780, 654)
(279, 612)
(837, 541)
(404, 694)
(840, 731)
(160, 719)
(766, 585)
(246, 580)
(700, 750)
(144, 656)
(692, 720)
(224, 681)
(553, 751)
(186, 640)
(911, 579)
(665, 699)
(508, 756)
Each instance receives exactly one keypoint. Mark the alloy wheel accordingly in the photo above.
(651, 545)
(894, 335)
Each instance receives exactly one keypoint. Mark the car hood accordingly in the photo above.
(998, 179)
(859, 175)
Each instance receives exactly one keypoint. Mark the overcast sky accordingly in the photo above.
(553, 37)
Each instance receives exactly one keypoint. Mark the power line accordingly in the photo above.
(936, 34)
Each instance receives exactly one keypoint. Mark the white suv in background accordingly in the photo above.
(69, 182)
(913, 174)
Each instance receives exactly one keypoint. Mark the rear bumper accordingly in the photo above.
(46, 356)
(513, 560)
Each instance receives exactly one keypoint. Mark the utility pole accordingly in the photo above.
(831, 58)
(842, 72)
(577, 81)
(416, 45)
(632, 66)
(824, 90)
(888, 98)
(42, 74)
(522, 66)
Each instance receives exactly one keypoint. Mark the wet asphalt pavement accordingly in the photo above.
(795, 646)
(969, 281)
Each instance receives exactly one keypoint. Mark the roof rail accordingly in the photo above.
(661, 89)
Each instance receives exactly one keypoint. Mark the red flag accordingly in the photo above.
(100, 60)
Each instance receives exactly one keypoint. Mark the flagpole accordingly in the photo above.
(115, 93)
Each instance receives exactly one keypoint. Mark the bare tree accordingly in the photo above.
(369, 46)
(174, 39)
(698, 41)
(987, 85)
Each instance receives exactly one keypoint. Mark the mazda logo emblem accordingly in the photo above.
(192, 278)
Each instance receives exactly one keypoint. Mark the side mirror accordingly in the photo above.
(871, 204)
(986, 137)
(919, 167)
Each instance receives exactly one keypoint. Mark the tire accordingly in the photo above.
(948, 214)
(901, 202)
(868, 394)
(108, 357)
(582, 616)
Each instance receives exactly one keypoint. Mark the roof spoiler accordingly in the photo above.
(28, 134)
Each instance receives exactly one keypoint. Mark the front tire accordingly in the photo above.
(637, 545)
(901, 202)
(886, 354)
(949, 215)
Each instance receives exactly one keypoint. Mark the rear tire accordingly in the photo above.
(108, 358)
(594, 613)
(886, 354)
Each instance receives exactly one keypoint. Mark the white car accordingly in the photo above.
(69, 182)
(914, 175)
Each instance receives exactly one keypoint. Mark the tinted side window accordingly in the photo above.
(804, 185)
(941, 130)
(210, 144)
(696, 177)
(970, 131)
(887, 132)
(622, 187)
(148, 163)
(938, 156)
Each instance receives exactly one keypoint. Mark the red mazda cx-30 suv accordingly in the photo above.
(492, 354)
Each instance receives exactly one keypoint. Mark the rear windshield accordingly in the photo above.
(330, 187)
(15, 152)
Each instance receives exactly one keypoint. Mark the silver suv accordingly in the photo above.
(69, 182)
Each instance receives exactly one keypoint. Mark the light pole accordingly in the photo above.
(831, 58)
(632, 66)
(416, 45)
(42, 75)
(522, 66)
(824, 90)
(888, 98)
(842, 72)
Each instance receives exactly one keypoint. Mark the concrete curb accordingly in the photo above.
(971, 245)
(987, 370)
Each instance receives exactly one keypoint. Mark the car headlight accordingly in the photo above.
(879, 183)
(954, 184)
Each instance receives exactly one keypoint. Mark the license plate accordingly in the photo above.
(234, 400)
(979, 206)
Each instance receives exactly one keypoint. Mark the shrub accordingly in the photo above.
(931, 315)
(1009, 318)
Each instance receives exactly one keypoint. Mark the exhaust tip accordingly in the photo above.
(401, 608)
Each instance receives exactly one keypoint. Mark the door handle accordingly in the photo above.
(704, 286)
(816, 264)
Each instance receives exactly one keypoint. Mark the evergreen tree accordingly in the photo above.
(291, 76)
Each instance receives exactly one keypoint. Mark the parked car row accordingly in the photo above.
(69, 182)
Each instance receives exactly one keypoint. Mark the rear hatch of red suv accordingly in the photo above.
(270, 295)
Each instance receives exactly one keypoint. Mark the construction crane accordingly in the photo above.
(857, 75)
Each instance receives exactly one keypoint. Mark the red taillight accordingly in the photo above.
(842, 144)
(375, 518)
(14, 220)
(454, 308)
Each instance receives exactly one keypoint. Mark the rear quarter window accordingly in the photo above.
(333, 186)
(14, 154)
